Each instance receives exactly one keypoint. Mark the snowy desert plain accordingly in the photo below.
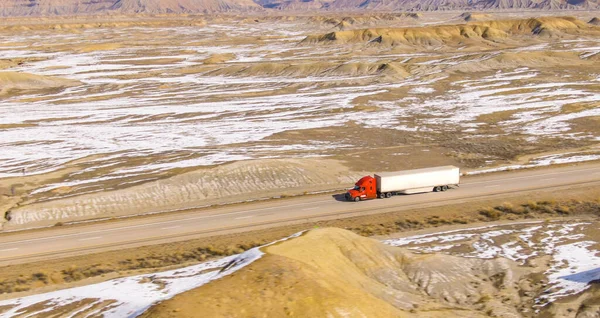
(107, 118)
(122, 117)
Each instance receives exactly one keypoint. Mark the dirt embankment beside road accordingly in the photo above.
(235, 182)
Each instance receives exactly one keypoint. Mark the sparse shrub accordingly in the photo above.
(460, 221)
(40, 276)
(532, 205)
(436, 220)
(415, 222)
(490, 213)
(59, 224)
(408, 224)
(21, 288)
(367, 230)
(402, 224)
(506, 207)
(519, 210)
(211, 250)
(433, 220)
(563, 209)
(547, 209)
(547, 202)
(232, 250)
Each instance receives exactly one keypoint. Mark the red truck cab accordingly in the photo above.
(364, 189)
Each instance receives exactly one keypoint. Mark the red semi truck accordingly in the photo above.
(384, 185)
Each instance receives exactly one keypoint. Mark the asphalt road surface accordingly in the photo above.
(25, 246)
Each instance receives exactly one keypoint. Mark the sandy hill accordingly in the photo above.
(512, 60)
(13, 81)
(315, 69)
(336, 273)
(454, 34)
(364, 19)
(468, 16)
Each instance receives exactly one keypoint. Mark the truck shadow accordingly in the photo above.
(340, 197)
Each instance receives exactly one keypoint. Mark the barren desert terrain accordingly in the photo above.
(129, 116)
(110, 117)
(512, 269)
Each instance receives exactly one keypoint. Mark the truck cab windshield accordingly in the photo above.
(357, 188)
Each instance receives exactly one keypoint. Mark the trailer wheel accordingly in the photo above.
(444, 188)
(356, 199)
(382, 195)
(436, 189)
(388, 195)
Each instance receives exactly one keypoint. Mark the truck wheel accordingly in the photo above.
(437, 189)
(356, 199)
(444, 188)
(382, 195)
(388, 195)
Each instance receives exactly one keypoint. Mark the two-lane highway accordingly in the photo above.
(19, 247)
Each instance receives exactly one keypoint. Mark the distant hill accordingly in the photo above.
(428, 5)
(79, 7)
(86, 7)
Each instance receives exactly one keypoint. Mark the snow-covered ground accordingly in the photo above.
(134, 110)
(574, 260)
(543, 161)
(130, 296)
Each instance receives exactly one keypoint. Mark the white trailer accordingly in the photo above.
(417, 180)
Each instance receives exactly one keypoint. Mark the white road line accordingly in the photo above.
(170, 227)
(244, 217)
(156, 223)
(9, 249)
(90, 238)
(493, 186)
